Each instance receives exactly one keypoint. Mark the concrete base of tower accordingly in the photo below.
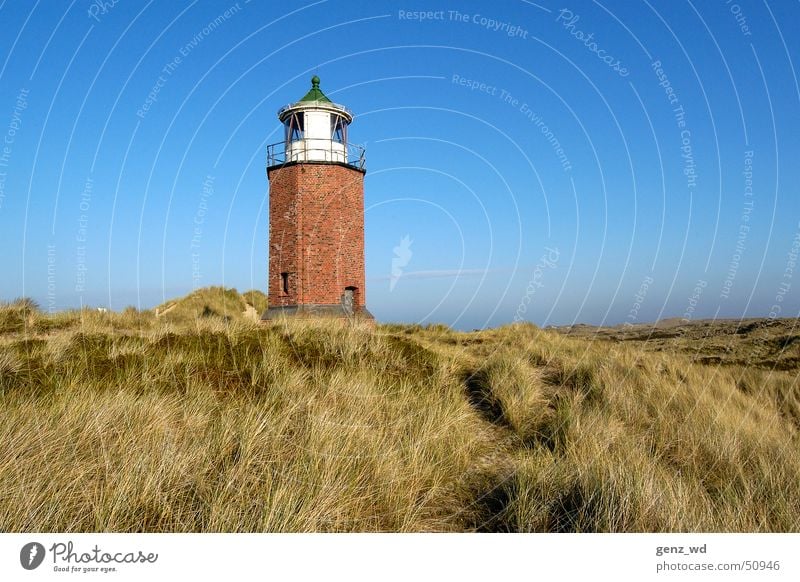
(311, 311)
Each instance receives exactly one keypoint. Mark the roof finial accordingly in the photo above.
(315, 93)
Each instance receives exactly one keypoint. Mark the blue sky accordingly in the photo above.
(599, 162)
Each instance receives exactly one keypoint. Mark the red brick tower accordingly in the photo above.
(316, 213)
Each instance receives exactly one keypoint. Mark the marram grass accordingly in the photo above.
(203, 420)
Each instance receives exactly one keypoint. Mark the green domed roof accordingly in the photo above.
(315, 94)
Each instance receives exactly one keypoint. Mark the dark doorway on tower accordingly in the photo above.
(349, 300)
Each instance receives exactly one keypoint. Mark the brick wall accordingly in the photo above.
(316, 234)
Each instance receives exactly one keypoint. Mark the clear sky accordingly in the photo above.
(598, 162)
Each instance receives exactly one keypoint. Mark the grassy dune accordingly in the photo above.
(203, 420)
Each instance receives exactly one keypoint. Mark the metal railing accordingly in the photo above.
(321, 150)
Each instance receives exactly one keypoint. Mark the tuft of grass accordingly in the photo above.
(15, 315)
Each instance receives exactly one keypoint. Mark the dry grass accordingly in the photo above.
(131, 422)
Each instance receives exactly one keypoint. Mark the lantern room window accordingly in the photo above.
(338, 129)
(294, 127)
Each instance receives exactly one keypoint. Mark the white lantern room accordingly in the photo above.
(315, 128)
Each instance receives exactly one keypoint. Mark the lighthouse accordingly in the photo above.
(316, 213)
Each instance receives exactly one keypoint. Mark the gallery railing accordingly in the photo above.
(315, 150)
